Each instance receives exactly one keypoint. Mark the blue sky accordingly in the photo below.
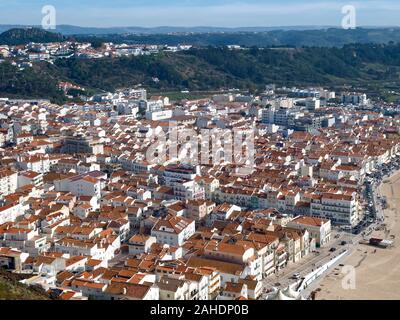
(234, 13)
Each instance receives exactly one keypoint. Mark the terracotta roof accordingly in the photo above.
(311, 221)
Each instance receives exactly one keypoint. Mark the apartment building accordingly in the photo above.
(320, 229)
(340, 209)
(8, 181)
(173, 230)
(199, 209)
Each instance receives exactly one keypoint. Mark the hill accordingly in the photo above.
(371, 66)
(12, 289)
(218, 67)
(330, 37)
(75, 30)
(29, 83)
(20, 36)
(204, 36)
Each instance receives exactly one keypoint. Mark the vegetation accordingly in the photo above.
(218, 67)
(12, 289)
(18, 36)
(375, 67)
(29, 83)
(324, 37)
(332, 37)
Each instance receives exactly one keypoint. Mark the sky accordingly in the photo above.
(220, 13)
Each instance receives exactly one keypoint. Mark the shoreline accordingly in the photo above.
(377, 270)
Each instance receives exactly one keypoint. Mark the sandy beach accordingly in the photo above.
(377, 270)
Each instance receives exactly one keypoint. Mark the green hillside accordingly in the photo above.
(18, 36)
(11, 289)
(372, 66)
(324, 37)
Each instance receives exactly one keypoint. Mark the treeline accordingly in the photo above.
(218, 67)
(327, 37)
(368, 65)
(332, 37)
(20, 36)
(28, 83)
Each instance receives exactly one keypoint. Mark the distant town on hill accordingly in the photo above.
(24, 72)
(250, 36)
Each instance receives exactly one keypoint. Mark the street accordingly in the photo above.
(374, 218)
(312, 261)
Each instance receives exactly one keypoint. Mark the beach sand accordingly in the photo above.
(377, 271)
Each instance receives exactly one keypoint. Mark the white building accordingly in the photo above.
(78, 248)
(140, 243)
(11, 212)
(158, 115)
(83, 185)
(173, 230)
(8, 181)
(341, 209)
(319, 229)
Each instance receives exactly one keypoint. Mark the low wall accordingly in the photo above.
(312, 276)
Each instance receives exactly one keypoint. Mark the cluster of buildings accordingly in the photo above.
(24, 55)
(88, 214)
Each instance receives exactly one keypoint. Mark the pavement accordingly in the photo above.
(377, 270)
(283, 278)
(312, 261)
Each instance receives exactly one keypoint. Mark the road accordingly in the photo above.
(315, 260)
(283, 279)
(311, 261)
(377, 269)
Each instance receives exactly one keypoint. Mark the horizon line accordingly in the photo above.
(203, 26)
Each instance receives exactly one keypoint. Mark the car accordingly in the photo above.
(296, 276)
(333, 249)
